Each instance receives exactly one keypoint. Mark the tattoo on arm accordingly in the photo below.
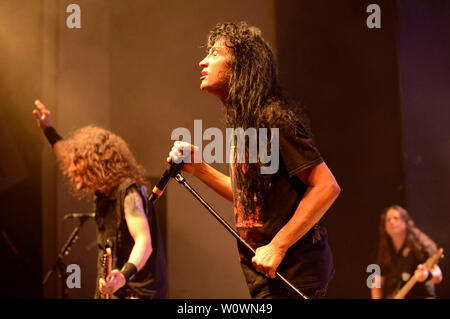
(138, 227)
(133, 203)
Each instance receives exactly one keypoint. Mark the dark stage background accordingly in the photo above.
(379, 112)
(377, 99)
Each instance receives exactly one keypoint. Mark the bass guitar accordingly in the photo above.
(428, 265)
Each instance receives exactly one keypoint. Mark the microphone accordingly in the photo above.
(79, 215)
(171, 170)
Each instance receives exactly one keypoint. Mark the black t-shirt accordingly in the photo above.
(309, 262)
(151, 281)
(404, 264)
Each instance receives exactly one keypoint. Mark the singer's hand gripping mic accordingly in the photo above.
(171, 170)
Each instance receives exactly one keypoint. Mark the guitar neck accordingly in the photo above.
(107, 267)
(429, 264)
(406, 288)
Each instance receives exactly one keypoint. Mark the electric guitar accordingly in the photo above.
(428, 265)
(107, 265)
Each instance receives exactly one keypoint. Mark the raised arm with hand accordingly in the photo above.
(44, 121)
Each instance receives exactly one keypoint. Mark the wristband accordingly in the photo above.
(52, 135)
(128, 271)
(430, 275)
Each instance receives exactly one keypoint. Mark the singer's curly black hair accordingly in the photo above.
(255, 98)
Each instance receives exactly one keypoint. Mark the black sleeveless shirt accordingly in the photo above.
(151, 281)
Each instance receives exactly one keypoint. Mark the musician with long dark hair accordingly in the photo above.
(402, 249)
(277, 213)
(99, 164)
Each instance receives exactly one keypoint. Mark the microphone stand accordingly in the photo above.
(180, 179)
(59, 264)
